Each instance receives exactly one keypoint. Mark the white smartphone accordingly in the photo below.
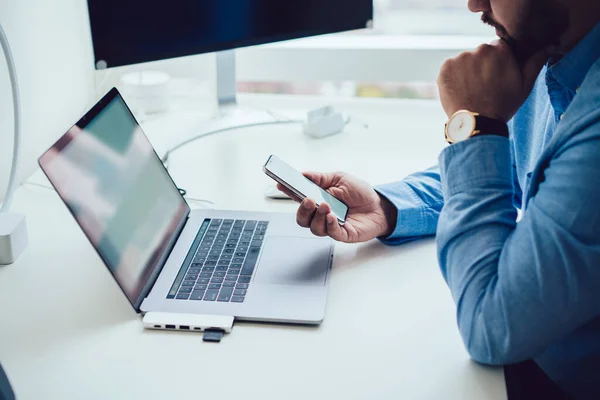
(303, 187)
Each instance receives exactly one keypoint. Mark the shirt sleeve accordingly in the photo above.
(418, 200)
(519, 287)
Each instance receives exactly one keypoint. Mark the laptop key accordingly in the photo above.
(216, 280)
(250, 262)
(214, 286)
(237, 260)
(239, 292)
(219, 274)
(228, 284)
(203, 281)
(225, 294)
(188, 283)
(237, 299)
(241, 286)
(222, 268)
(256, 243)
(207, 274)
(208, 269)
(234, 271)
(200, 287)
(197, 295)
(244, 279)
(211, 295)
(236, 266)
(182, 296)
(185, 289)
(210, 263)
(231, 278)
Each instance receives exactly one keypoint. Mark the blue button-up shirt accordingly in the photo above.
(527, 289)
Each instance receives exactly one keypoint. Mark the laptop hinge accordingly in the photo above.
(163, 261)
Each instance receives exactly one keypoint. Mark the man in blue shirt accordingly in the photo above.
(528, 290)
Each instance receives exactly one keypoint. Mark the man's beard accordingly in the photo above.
(542, 23)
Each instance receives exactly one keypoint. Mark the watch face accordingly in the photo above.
(461, 126)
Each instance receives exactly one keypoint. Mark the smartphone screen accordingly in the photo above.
(303, 187)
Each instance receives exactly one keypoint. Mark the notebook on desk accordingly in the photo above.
(167, 258)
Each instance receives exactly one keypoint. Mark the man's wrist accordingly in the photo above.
(465, 124)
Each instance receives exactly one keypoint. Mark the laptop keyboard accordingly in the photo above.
(223, 261)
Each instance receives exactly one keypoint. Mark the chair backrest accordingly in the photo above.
(6, 392)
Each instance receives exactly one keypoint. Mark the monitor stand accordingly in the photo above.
(229, 114)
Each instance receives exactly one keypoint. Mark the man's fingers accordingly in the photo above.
(324, 180)
(318, 226)
(335, 231)
(306, 212)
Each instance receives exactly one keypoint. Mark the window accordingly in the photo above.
(409, 41)
(426, 17)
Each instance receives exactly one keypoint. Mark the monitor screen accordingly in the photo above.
(107, 173)
(134, 31)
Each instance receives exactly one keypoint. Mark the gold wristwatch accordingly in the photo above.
(466, 124)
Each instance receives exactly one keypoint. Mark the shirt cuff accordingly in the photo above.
(479, 161)
(410, 210)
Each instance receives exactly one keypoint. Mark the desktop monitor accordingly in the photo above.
(135, 31)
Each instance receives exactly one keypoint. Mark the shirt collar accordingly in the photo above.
(572, 69)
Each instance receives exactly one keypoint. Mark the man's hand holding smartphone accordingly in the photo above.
(369, 214)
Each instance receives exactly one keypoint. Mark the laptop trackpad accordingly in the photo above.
(294, 261)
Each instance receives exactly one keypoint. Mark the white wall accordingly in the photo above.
(54, 59)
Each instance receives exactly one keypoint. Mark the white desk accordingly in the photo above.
(67, 332)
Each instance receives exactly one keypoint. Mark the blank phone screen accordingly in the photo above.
(306, 187)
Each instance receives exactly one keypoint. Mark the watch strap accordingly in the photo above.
(489, 126)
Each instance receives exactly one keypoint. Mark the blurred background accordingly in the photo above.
(398, 18)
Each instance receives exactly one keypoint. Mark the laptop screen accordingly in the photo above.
(107, 173)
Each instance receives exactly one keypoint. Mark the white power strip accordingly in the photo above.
(13, 237)
(325, 121)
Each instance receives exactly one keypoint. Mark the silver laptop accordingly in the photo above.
(167, 258)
